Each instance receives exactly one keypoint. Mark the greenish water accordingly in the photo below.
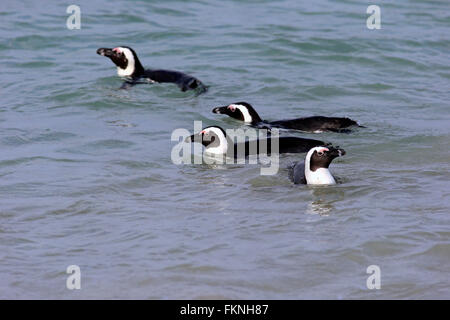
(86, 176)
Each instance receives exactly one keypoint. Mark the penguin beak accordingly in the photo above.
(193, 138)
(336, 152)
(220, 110)
(106, 52)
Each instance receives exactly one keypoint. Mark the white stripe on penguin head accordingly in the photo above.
(129, 70)
(222, 148)
(247, 117)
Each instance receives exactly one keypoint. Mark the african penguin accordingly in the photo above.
(245, 112)
(315, 170)
(216, 142)
(128, 65)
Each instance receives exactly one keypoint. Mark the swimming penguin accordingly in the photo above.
(245, 112)
(128, 65)
(216, 142)
(315, 168)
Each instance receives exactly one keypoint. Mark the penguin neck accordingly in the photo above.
(255, 118)
(249, 115)
(321, 176)
(134, 69)
(138, 68)
(220, 148)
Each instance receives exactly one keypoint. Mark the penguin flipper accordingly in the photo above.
(297, 173)
(264, 125)
(192, 84)
(127, 84)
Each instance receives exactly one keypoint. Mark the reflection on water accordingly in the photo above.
(323, 196)
(320, 207)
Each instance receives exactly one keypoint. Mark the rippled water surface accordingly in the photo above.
(86, 176)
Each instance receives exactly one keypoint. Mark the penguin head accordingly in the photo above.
(321, 157)
(241, 111)
(126, 60)
(317, 161)
(213, 138)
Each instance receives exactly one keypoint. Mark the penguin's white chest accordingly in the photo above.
(125, 72)
(219, 150)
(321, 176)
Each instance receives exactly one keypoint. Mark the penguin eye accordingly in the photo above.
(320, 153)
